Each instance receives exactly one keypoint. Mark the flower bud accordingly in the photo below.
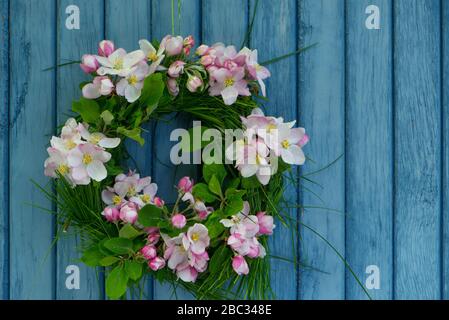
(89, 63)
(156, 263)
(178, 221)
(194, 83)
(158, 202)
(128, 213)
(266, 225)
(173, 87)
(111, 214)
(176, 68)
(239, 265)
(185, 184)
(202, 50)
(105, 48)
(173, 45)
(148, 252)
(189, 42)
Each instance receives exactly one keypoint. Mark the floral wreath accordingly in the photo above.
(213, 241)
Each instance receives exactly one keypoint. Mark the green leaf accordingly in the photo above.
(153, 88)
(89, 110)
(234, 184)
(92, 256)
(232, 193)
(133, 269)
(129, 232)
(150, 215)
(214, 169)
(233, 207)
(201, 191)
(119, 245)
(108, 261)
(214, 186)
(134, 134)
(104, 251)
(214, 225)
(219, 258)
(250, 183)
(116, 283)
(107, 117)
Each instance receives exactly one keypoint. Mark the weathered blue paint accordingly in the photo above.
(417, 99)
(369, 148)
(71, 44)
(322, 112)
(378, 96)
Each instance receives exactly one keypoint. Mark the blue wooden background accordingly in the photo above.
(380, 97)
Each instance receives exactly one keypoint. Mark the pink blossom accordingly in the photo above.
(176, 68)
(87, 161)
(188, 43)
(148, 252)
(197, 239)
(266, 225)
(207, 60)
(106, 48)
(240, 266)
(178, 221)
(89, 63)
(202, 50)
(156, 263)
(305, 139)
(185, 184)
(100, 86)
(173, 45)
(198, 261)
(229, 84)
(128, 213)
(188, 274)
(173, 87)
(256, 71)
(194, 83)
(111, 214)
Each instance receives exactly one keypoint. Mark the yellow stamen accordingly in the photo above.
(87, 158)
(195, 236)
(118, 64)
(116, 200)
(132, 80)
(63, 169)
(146, 198)
(152, 56)
(229, 82)
(131, 191)
(285, 144)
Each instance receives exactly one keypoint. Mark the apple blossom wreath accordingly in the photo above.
(213, 241)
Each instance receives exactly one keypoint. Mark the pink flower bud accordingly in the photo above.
(266, 225)
(128, 213)
(105, 48)
(202, 50)
(189, 42)
(111, 214)
(173, 87)
(89, 63)
(185, 184)
(240, 266)
(153, 238)
(304, 140)
(148, 252)
(156, 263)
(203, 214)
(194, 83)
(173, 45)
(178, 221)
(158, 202)
(176, 68)
(206, 60)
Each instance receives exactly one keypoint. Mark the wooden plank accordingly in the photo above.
(417, 149)
(216, 15)
(32, 120)
(445, 147)
(277, 20)
(369, 148)
(4, 150)
(322, 112)
(126, 23)
(72, 44)
(164, 172)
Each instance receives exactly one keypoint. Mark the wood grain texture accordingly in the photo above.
(127, 22)
(216, 16)
(164, 172)
(276, 22)
(72, 44)
(32, 119)
(322, 112)
(369, 148)
(445, 152)
(417, 149)
(4, 149)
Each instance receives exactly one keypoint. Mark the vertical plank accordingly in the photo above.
(277, 20)
(165, 173)
(417, 149)
(4, 149)
(322, 112)
(369, 148)
(126, 23)
(32, 119)
(72, 44)
(216, 26)
(445, 147)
